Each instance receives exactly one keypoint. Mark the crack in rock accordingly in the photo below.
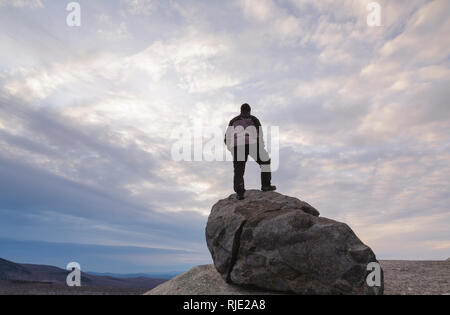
(235, 250)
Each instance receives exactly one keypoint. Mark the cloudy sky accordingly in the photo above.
(87, 114)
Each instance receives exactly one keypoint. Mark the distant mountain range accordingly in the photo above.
(153, 275)
(12, 274)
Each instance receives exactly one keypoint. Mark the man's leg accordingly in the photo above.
(263, 159)
(238, 180)
(240, 155)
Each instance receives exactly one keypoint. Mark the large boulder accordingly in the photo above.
(276, 242)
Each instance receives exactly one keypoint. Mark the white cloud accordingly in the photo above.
(32, 4)
(423, 35)
(196, 59)
(261, 10)
(117, 34)
(139, 7)
(273, 20)
(321, 87)
(37, 83)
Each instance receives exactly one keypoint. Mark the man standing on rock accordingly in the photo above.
(244, 137)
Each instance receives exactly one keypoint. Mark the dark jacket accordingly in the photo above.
(243, 129)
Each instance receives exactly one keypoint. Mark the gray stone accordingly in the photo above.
(202, 280)
(276, 242)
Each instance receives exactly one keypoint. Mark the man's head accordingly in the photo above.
(245, 109)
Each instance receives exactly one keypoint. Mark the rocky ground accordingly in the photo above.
(401, 278)
(8, 287)
(416, 277)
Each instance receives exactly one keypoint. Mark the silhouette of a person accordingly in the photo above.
(244, 137)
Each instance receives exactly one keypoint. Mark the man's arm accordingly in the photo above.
(228, 131)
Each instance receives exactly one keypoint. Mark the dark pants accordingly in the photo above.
(240, 156)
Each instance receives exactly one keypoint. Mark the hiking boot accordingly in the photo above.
(240, 196)
(269, 188)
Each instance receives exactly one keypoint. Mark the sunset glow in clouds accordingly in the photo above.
(86, 115)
